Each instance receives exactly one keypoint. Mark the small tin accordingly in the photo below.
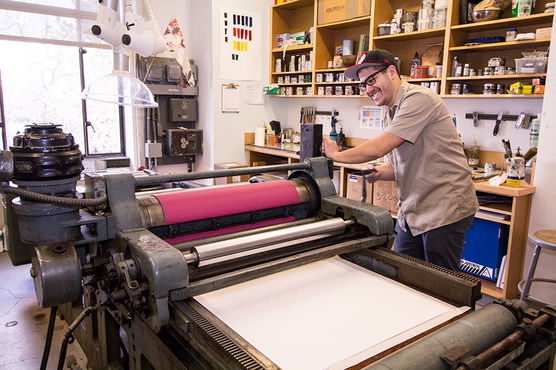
(320, 90)
(465, 89)
(319, 78)
(472, 72)
(280, 80)
(301, 79)
(309, 90)
(293, 79)
(299, 91)
(287, 79)
(329, 77)
(289, 90)
(339, 90)
(341, 77)
(455, 89)
(328, 90)
(489, 89)
(500, 89)
(349, 90)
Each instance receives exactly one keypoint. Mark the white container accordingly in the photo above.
(408, 27)
(259, 136)
(531, 65)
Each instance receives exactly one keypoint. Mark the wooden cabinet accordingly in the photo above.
(301, 15)
(514, 213)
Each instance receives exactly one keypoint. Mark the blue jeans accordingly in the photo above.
(441, 246)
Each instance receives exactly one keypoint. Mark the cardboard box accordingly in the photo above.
(543, 33)
(230, 179)
(354, 188)
(330, 11)
(385, 195)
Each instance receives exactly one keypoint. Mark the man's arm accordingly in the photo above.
(383, 172)
(371, 149)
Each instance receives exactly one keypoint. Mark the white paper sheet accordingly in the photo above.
(328, 314)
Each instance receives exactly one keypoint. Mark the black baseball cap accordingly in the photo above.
(371, 58)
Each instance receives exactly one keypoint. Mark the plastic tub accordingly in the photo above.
(531, 65)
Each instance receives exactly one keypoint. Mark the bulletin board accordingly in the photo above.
(240, 45)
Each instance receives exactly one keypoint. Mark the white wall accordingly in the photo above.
(543, 210)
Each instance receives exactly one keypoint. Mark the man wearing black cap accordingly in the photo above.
(437, 200)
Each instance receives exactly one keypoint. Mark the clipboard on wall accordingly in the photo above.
(230, 98)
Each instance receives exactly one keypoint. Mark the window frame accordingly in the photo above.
(81, 46)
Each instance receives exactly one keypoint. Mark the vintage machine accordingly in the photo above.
(135, 272)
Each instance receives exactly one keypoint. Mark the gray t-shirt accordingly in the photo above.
(432, 176)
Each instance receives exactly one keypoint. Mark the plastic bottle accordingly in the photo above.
(455, 63)
(416, 61)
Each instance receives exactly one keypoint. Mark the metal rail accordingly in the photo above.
(157, 179)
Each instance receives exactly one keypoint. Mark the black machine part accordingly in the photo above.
(45, 152)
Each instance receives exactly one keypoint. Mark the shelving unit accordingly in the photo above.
(301, 15)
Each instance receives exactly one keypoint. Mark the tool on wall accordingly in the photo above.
(521, 121)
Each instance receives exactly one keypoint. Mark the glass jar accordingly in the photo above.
(511, 33)
(455, 89)
(339, 90)
(489, 89)
(465, 89)
(349, 90)
(500, 89)
(329, 90)
(319, 78)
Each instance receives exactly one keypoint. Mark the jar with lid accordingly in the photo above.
(439, 70)
(465, 89)
(488, 71)
(339, 90)
(466, 69)
(455, 89)
(329, 90)
(319, 78)
(511, 33)
(489, 89)
(473, 154)
(500, 89)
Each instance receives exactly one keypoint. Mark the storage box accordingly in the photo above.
(385, 195)
(485, 245)
(230, 179)
(531, 65)
(354, 188)
(543, 33)
(338, 10)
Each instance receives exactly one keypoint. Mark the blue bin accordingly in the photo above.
(485, 245)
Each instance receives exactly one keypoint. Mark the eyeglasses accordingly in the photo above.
(370, 81)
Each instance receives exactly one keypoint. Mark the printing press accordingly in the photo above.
(129, 267)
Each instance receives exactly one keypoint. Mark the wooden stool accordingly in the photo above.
(541, 239)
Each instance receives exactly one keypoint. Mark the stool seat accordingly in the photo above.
(544, 238)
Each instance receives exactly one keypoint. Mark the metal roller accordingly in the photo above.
(202, 255)
(476, 331)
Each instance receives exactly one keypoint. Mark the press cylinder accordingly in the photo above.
(203, 254)
(206, 203)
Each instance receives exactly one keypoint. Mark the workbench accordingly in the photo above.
(514, 214)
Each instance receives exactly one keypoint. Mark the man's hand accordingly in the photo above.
(330, 148)
(372, 174)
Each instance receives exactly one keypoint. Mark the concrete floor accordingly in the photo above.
(23, 323)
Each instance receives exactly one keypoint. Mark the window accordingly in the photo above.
(44, 59)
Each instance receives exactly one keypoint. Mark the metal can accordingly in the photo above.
(293, 79)
(339, 90)
(329, 77)
(328, 90)
(289, 90)
(319, 77)
(488, 71)
(299, 91)
(320, 90)
(309, 90)
(281, 80)
(349, 90)
(301, 79)
(287, 79)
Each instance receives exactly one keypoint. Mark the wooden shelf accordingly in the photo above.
(493, 96)
(531, 20)
(505, 190)
(330, 70)
(297, 84)
(355, 22)
(294, 48)
(483, 217)
(504, 209)
(338, 83)
(501, 77)
(432, 79)
(294, 4)
(502, 45)
(417, 35)
(291, 73)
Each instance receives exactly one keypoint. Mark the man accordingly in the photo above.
(437, 200)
